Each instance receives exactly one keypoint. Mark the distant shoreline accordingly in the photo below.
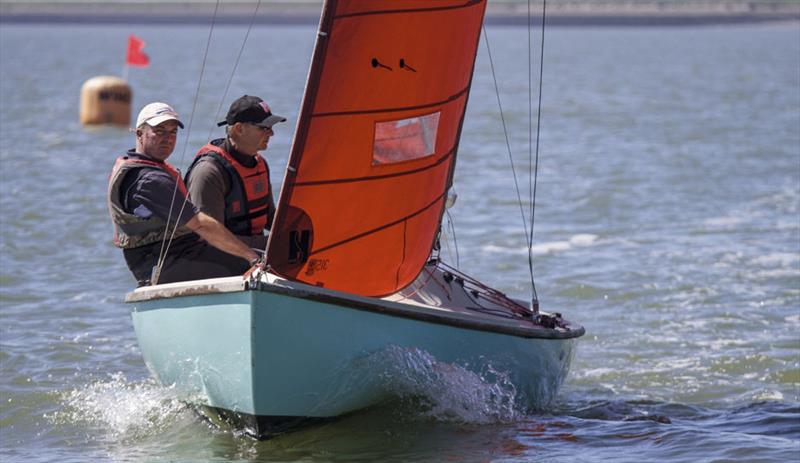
(569, 13)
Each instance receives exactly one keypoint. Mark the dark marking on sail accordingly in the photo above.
(299, 241)
(377, 64)
(450, 99)
(404, 65)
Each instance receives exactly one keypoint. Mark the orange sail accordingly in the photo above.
(376, 143)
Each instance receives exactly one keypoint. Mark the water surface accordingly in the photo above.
(666, 222)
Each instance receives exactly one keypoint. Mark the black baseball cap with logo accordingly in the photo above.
(253, 110)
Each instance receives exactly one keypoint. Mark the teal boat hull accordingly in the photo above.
(270, 354)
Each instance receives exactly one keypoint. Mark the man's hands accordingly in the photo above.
(259, 262)
(219, 237)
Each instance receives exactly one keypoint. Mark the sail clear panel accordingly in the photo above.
(375, 148)
(404, 140)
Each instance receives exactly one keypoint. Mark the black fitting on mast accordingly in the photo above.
(535, 306)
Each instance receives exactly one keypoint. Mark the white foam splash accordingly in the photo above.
(553, 246)
(721, 344)
(723, 222)
(767, 394)
(448, 392)
(580, 240)
(584, 239)
(597, 373)
(120, 407)
(782, 259)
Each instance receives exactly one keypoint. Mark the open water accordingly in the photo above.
(667, 222)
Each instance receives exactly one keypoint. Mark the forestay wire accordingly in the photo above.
(538, 130)
(233, 71)
(532, 166)
(452, 227)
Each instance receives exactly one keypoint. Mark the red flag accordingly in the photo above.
(135, 56)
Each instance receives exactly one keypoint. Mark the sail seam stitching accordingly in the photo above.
(468, 4)
(449, 99)
(438, 162)
(382, 227)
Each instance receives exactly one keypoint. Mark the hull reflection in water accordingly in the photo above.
(267, 354)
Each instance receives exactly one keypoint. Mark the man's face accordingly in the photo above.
(253, 138)
(157, 142)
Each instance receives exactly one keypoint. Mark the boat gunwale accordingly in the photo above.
(423, 313)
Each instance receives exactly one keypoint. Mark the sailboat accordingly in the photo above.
(352, 269)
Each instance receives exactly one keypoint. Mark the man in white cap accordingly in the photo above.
(151, 212)
(229, 179)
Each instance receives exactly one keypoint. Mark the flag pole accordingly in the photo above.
(125, 72)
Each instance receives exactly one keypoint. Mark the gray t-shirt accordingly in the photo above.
(208, 185)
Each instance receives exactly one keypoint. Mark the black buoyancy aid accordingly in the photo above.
(132, 231)
(250, 193)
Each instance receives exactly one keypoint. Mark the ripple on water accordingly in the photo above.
(762, 430)
(671, 233)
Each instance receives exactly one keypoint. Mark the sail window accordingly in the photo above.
(405, 139)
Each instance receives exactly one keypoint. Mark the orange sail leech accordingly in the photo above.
(376, 144)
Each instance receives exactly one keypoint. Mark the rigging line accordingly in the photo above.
(530, 104)
(538, 131)
(505, 132)
(453, 232)
(233, 71)
(165, 244)
(446, 241)
(530, 147)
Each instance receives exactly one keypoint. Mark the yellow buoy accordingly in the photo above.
(106, 100)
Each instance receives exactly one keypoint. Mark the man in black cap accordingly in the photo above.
(229, 180)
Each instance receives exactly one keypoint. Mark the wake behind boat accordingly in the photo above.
(351, 266)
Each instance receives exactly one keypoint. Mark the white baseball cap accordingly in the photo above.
(156, 113)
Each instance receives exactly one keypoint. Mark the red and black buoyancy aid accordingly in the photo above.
(131, 231)
(250, 193)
